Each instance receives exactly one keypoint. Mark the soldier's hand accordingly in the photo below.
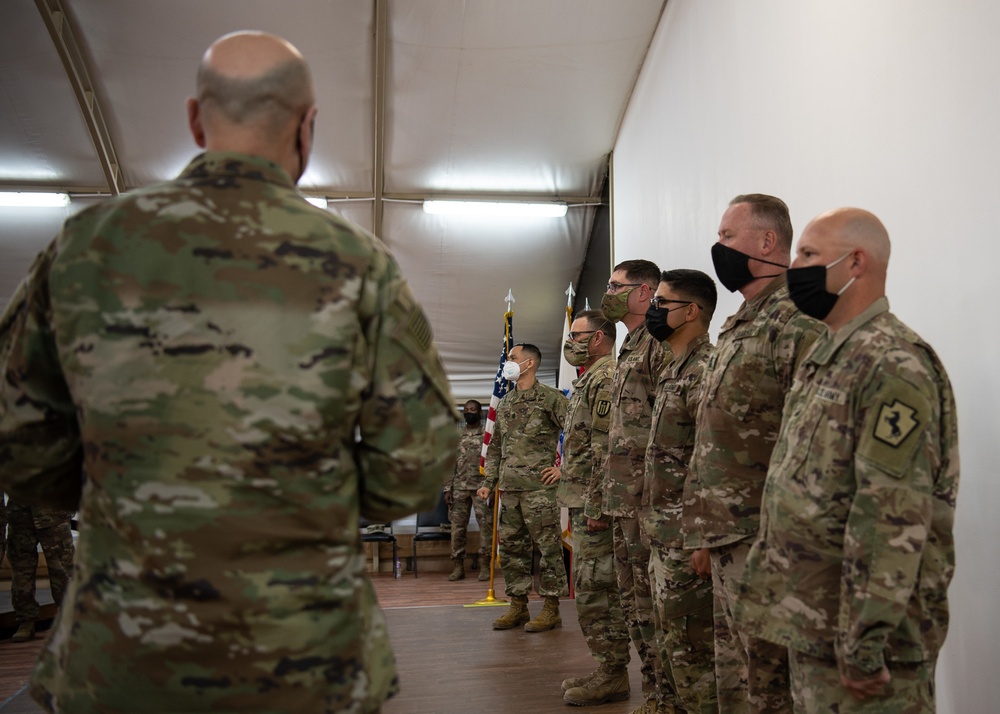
(550, 475)
(448, 498)
(862, 689)
(701, 563)
(484, 492)
(596, 525)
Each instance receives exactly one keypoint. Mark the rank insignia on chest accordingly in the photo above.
(603, 408)
(896, 421)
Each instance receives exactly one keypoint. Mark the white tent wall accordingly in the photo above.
(890, 106)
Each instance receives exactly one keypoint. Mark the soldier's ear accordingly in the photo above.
(194, 122)
(769, 241)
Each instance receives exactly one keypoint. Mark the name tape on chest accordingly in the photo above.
(828, 394)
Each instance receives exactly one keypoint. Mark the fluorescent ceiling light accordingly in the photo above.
(495, 208)
(39, 200)
(318, 201)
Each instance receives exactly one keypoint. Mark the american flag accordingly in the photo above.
(500, 385)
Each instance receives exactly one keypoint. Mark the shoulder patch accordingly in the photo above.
(603, 408)
(419, 329)
(895, 422)
(893, 426)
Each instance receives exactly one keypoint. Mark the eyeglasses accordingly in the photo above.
(659, 302)
(615, 287)
(574, 335)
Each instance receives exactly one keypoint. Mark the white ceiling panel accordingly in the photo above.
(514, 96)
(43, 136)
(146, 54)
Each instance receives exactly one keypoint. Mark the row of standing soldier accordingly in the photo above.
(823, 590)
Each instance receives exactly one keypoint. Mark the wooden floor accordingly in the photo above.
(450, 660)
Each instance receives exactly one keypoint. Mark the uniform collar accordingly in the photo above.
(217, 164)
(772, 287)
(691, 348)
(751, 308)
(830, 342)
(592, 369)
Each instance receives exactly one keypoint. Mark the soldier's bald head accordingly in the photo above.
(855, 228)
(254, 78)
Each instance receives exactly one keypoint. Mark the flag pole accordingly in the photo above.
(500, 387)
(567, 373)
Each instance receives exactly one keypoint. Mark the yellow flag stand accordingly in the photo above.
(490, 599)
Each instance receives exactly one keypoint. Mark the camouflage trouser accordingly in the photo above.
(526, 518)
(462, 504)
(682, 615)
(816, 688)
(632, 573)
(598, 604)
(751, 674)
(56, 540)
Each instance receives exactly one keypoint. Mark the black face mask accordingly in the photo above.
(656, 323)
(733, 267)
(471, 419)
(807, 288)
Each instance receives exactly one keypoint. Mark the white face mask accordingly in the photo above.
(512, 370)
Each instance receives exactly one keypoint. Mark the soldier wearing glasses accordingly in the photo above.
(640, 361)
(598, 605)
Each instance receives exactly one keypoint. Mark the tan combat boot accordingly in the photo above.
(568, 684)
(517, 614)
(609, 684)
(547, 618)
(458, 572)
(25, 632)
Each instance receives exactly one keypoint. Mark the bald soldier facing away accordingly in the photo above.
(240, 376)
(851, 565)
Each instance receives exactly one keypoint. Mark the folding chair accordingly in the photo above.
(380, 533)
(430, 520)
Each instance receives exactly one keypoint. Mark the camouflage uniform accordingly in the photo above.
(745, 384)
(855, 551)
(464, 482)
(29, 528)
(525, 441)
(585, 445)
(241, 375)
(682, 601)
(633, 392)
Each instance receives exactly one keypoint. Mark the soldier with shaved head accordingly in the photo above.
(239, 376)
(851, 565)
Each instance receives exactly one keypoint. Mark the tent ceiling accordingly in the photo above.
(418, 98)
